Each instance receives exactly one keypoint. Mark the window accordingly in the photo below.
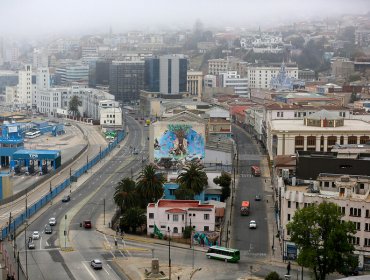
(355, 240)
(367, 242)
(358, 226)
(355, 212)
(367, 227)
(193, 215)
(175, 230)
(367, 213)
(206, 228)
(163, 226)
(206, 216)
(297, 205)
(175, 218)
(183, 217)
(151, 226)
(151, 215)
(326, 184)
(289, 203)
(288, 217)
(168, 217)
(343, 210)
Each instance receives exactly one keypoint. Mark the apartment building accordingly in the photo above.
(349, 192)
(260, 76)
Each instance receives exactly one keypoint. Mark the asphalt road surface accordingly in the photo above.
(253, 243)
(47, 261)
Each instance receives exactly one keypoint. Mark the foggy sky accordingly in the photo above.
(41, 17)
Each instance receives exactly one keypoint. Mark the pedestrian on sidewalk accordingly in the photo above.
(288, 268)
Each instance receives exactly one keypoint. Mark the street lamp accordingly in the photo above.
(25, 244)
(169, 253)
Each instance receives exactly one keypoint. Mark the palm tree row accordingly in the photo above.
(133, 197)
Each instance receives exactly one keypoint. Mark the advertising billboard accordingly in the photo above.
(178, 143)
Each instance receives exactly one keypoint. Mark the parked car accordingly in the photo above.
(66, 198)
(35, 235)
(257, 197)
(252, 224)
(96, 264)
(31, 245)
(48, 229)
(52, 221)
(87, 224)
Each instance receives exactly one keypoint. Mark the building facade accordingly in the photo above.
(172, 216)
(231, 79)
(195, 83)
(126, 80)
(260, 76)
(68, 74)
(166, 74)
(349, 192)
(26, 87)
(319, 131)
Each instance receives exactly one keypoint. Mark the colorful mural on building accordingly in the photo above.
(177, 144)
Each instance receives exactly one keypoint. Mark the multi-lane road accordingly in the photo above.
(47, 261)
(96, 142)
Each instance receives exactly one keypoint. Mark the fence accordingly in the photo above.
(31, 210)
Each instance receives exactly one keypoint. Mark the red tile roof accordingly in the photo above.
(175, 210)
(177, 203)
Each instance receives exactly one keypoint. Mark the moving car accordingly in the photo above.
(35, 235)
(31, 245)
(52, 221)
(252, 224)
(257, 197)
(66, 198)
(48, 229)
(96, 264)
(87, 224)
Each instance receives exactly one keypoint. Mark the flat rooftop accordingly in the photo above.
(298, 125)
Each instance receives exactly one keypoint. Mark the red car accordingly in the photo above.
(87, 224)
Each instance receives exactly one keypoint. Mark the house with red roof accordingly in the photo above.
(171, 217)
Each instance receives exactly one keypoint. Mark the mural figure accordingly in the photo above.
(178, 144)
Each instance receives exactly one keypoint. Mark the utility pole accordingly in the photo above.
(65, 232)
(104, 209)
(25, 245)
(169, 254)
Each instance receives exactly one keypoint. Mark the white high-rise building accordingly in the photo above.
(260, 76)
(40, 58)
(43, 78)
(26, 90)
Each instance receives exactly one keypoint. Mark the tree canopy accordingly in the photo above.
(323, 239)
(150, 184)
(125, 195)
(224, 181)
(133, 218)
(193, 177)
(73, 105)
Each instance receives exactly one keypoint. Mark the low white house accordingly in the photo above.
(172, 216)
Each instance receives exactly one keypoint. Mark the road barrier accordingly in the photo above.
(32, 209)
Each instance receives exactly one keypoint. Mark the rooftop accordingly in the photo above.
(324, 114)
(180, 203)
(298, 125)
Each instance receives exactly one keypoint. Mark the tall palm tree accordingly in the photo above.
(150, 184)
(193, 177)
(134, 218)
(125, 195)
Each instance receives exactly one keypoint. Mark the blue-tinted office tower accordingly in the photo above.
(166, 74)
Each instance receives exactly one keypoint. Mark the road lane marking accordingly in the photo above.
(88, 270)
(106, 271)
(40, 242)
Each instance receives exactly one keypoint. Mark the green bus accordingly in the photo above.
(222, 253)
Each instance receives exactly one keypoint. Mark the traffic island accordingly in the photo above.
(146, 269)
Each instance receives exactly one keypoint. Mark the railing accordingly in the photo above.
(32, 209)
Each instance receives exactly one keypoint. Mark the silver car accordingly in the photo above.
(96, 264)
